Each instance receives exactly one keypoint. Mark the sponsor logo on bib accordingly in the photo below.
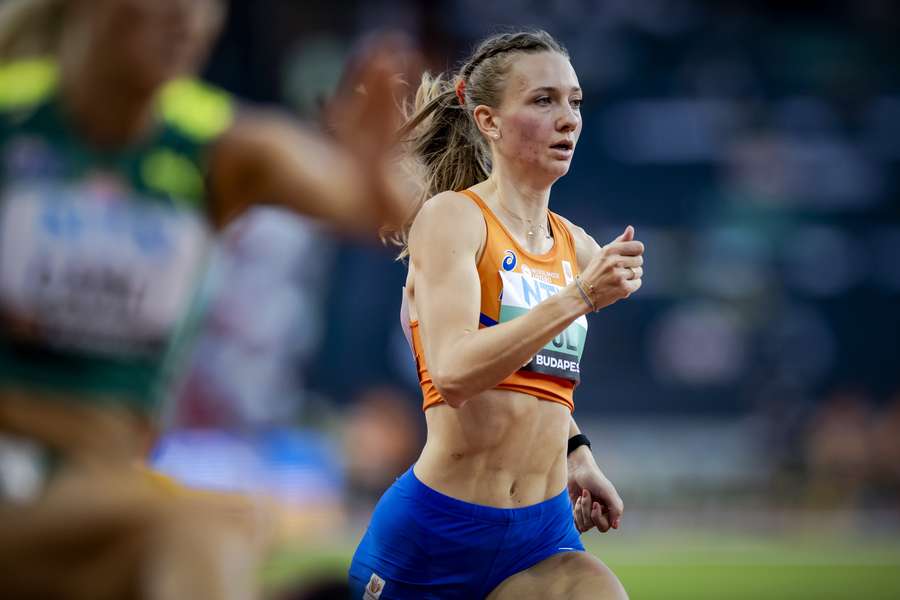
(539, 274)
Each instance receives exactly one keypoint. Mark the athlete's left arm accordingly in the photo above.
(595, 501)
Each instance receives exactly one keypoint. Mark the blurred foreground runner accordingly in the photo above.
(115, 169)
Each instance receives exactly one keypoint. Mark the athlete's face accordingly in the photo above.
(539, 119)
(148, 42)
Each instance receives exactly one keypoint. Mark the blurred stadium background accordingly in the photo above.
(746, 402)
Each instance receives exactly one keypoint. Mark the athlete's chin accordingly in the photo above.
(546, 172)
(557, 168)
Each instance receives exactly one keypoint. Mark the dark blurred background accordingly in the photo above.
(754, 146)
(756, 149)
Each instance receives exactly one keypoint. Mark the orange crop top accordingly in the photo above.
(512, 281)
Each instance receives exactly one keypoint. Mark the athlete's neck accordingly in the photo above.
(106, 112)
(527, 203)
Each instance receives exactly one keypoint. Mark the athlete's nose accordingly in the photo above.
(568, 121)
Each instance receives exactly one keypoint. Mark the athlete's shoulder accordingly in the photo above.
(196, 109)
(449, 210)
(448, 217)
(25, 84)
(451, 201)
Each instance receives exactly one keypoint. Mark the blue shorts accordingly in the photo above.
(422, 544)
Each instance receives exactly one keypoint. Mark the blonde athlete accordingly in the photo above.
(115, 167)
(496, 296)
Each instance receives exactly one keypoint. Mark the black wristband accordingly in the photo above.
(578, 440)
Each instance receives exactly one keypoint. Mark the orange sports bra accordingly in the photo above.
(512, 281)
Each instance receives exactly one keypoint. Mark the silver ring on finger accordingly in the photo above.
(633, 275)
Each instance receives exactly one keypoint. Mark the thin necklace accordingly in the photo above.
(531, 224)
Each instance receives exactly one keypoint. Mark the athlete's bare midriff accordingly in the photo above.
(502, 448)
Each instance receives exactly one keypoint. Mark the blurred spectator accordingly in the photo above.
(780, 420)
(263, 326)
(886, 453)
(839, 450)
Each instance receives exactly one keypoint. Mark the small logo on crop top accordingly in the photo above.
(509, 261)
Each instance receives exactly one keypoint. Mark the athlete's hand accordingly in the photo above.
(595, 501)
(615, 271)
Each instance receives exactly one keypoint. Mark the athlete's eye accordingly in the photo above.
(576, 103)
(543, 100)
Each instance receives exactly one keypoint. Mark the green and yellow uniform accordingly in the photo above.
(100, 255)
(100, 251)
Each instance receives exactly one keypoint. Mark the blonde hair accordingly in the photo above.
(443, 143)
(30, 28)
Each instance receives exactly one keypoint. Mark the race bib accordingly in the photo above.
(561, 357)
(92, 273)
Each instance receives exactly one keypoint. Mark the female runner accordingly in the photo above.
(496, 298)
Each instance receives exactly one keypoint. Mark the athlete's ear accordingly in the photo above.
(487, 121)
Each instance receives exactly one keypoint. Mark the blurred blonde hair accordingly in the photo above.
(30, 28)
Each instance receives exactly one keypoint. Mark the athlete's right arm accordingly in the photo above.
(464, 360)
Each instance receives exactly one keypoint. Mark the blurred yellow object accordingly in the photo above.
(173, 174)
(196, 108)
(26, 82)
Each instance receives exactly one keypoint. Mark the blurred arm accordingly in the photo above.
(347, 180)
(270, 158)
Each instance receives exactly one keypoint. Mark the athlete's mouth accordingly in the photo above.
(563, 145)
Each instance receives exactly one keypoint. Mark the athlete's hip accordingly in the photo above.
(422, 543)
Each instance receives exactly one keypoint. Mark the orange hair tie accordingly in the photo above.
(461, 91)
